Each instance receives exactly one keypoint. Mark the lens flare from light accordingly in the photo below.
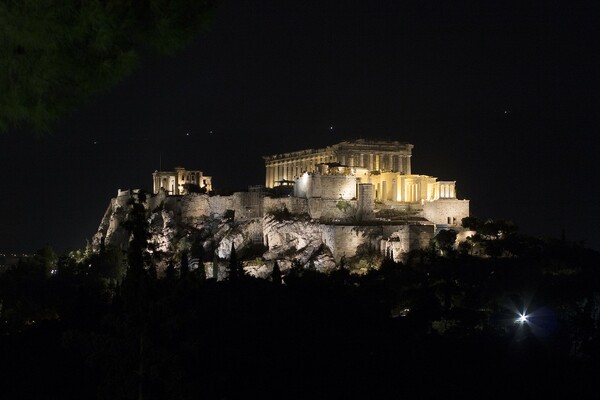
(522, 318)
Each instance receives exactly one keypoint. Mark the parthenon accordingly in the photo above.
(373, 155)
(383, 164)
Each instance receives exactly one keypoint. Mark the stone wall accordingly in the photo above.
(345, 240)
(294, 205)
(406, 238)
(325, 186)
(364, 207)
(299, 238)
(337, 210)
(440, 210)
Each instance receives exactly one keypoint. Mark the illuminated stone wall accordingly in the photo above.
(325, 186)
(446, 211)
(405, 238)
(346, 240)
(294, 205)
(364, 206)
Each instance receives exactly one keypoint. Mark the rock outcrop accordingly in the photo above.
(212, 225)
(296, 241)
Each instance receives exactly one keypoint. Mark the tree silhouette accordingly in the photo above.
(55, 55)
(233, 264)
(197, 250)
(276, 275)
(444, 241)
(170, 271)
(184, 268)
(198, 253)
(215, 268)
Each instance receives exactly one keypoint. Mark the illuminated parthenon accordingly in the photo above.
(383, 164)
(373, 155)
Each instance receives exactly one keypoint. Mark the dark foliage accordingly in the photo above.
(54, 55)
(276, 275)
(409, 330)
(194, 188)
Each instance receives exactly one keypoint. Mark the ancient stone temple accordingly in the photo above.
(176, 182)
(344, 201)
(373, 155)
(373, 174)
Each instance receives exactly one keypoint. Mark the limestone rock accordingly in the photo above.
(295, 240)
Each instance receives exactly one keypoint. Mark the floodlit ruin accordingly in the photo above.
(318, 207)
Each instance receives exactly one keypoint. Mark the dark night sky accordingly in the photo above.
(273, 76)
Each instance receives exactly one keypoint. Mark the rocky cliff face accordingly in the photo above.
(178, 222)
(215, 224)
(296, 240)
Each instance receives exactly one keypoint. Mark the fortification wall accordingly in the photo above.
(346, 240)
(420, 236)
(193, 206)
(440, 210)
(294, 205)
(326, 186)
(220, 204)
(364, 205)
(335, 210)
(404, 239)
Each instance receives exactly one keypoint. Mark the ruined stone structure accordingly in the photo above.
(377, 172)
(340, 203)
(371, 155)
(173, 182)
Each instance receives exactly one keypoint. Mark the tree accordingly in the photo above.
(470, 223)
(184, 267)
(194, 188)
(55, 55)
(444, 241)
(215, 268)
(170, 271)
(46, 257)
(198, 253)
(197, 250)
(276, 275)
(233, 264)
(138, 228)
(109, 264)
(137, 285)
(201, 272)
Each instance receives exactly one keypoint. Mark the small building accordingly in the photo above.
(179, 181)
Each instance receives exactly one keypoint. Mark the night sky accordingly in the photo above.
(502, 98)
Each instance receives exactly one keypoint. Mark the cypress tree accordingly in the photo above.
(198, 253)
(233, 264)
(276, 275)
(184, 268)
(215, 268)
(170, 271)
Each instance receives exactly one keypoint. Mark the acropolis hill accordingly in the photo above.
(353, 201)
